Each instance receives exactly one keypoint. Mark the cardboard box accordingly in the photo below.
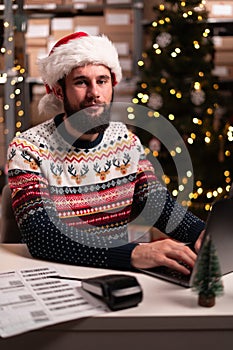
(223, 58)
(44, 3)
(38, 42)
(126, 63)
(38, 28)
(61, 27)
(92, 25)
(1, 107)
(118, 2)
(33, 53)
(223, 72)
(83, 3)
(222, 43)
(123, 42)
(118, 21)
(230, 72)
(2, 129)
(2, 146)
(127, 66)
(220, 9)
(2, 156)
(2, 62)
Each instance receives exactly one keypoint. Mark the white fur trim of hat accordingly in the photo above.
(73, 51)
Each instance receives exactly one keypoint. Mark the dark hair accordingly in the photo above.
(62, 83)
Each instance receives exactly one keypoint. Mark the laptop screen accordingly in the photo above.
(220, 228)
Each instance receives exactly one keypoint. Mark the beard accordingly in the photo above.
(84, 121)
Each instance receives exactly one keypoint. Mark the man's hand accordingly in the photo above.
(198, 243)
(166, 252)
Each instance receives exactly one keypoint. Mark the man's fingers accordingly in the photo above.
(178, 266)
(180, 257)
(181, 251)
(166, 252)
(199, 241)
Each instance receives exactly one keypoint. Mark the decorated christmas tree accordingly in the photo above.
(207, 280)
(177, 82)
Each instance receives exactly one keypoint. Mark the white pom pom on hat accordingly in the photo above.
(71, 51)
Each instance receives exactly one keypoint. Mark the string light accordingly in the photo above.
(185, 180)
(150, 114)
(197, 85)
(6, 24)
(166, 179)
(207, 137)
(202, 116)
(172, 153)
(140, 63)
(230, 133)
(143, 85)
(131, 116)
(12, 78)
(206, 33)
(196, 44)
(161, 7)
(208, 207)
(210, 111)
(173, 54)
(190, 140)
(179, 94)
(156, 114)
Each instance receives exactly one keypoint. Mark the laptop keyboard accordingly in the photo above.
(167, 273)
(170, 272)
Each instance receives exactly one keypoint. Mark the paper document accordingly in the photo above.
(30, 299)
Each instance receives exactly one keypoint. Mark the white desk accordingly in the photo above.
(167, 318)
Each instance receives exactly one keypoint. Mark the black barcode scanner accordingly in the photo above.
(117, 291)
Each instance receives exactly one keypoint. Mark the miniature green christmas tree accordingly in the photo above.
(207, 280)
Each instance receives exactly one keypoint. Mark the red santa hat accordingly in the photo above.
(75, 50)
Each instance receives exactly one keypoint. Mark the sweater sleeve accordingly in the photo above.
(46, 235)
(158, 208)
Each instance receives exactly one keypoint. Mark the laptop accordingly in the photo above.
(219, 227)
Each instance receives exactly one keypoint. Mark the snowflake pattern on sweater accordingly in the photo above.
(73, 199)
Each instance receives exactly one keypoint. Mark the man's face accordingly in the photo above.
(88, 91)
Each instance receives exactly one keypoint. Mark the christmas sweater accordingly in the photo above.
(74, 200)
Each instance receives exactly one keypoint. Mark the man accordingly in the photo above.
(78, 180)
